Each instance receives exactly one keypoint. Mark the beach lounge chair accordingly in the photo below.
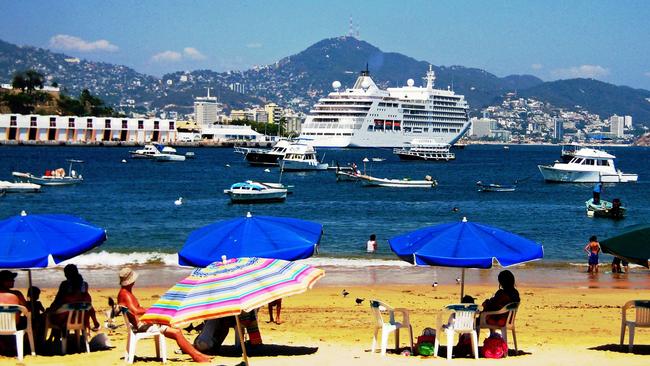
(511, 310)
(133, 337)
(462, 320)
(378, 309)
(642, 319)
(76, 322)
(8, 327)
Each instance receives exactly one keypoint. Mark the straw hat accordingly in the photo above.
(127, 276)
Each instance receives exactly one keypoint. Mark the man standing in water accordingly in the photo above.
(593, 249)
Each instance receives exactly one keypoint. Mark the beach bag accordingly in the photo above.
(495, 347)
(425, 342)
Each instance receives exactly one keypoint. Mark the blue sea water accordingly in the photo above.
(134, 201)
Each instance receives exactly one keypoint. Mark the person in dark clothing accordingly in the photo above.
(506, 294)
(597, 190)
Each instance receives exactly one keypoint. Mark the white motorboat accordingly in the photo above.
(251, 192)
(587, 166)
(257, 156)
(157, 152)
(427, 182)
(19, 187)
(56, 177)
(425, 149)
(299, 157)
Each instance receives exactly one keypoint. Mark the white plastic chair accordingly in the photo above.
(76, 322)
(8, 314)
(462, 320)
(642, 319)
(392, 325)
(133, 337)
(511, 310)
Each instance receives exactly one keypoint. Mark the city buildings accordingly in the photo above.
(206, 110)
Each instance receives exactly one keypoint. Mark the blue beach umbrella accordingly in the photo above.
(27, 241)
(251, 236)
(465, 245)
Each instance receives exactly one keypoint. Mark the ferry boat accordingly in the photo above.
(587, 166)
(367, 116)
(425, 149)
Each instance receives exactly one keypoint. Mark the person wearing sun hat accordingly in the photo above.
(7, 279)
(127, 299)
(9, 296)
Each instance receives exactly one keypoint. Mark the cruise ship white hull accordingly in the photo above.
(368, 116)
(387, 139)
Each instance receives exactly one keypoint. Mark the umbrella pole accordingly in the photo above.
(462, 284)
(241, 340)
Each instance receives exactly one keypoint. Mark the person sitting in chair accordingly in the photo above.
(11, 297)
(126, 298)
(506, 294)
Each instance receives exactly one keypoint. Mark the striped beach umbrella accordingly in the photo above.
(230, 287)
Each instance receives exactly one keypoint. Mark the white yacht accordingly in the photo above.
(267, 156)
(299, 156)
(587, 166)
(425, 149)
(367, 116)
(157, 152)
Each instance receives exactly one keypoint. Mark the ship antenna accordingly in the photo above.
(367, 71)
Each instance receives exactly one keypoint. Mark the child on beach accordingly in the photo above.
(593, 249)
(371, 245)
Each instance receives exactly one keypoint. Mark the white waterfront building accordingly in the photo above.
(35, 128)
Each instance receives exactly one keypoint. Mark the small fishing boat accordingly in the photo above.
(378, 160)
(55, 177)
(612, 210)
(346, 176)
(370, 181)
(254, 192)
(190, 155)
(492, 187)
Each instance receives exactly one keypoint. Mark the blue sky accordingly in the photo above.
(606, 40)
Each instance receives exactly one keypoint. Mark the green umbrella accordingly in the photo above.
(632, 244)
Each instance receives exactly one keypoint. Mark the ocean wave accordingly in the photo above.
(113, 259)
(110, 259)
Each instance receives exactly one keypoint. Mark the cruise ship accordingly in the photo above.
(367, 116)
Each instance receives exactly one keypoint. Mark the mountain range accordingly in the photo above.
(299, 80)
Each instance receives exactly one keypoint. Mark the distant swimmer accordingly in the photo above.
(455, 209)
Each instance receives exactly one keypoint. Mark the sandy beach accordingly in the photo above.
(564, 323)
